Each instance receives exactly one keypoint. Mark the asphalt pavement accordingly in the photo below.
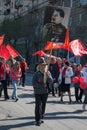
(58, 116)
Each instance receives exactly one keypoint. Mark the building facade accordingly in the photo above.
(31, 14)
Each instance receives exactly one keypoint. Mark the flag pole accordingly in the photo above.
(47, 68)
(68, 54)
(67, 39)
(21, 57)
(50, 56)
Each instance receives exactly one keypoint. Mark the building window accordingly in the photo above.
(80, 18)
(70, 21)
(71, 3)
(62, 3)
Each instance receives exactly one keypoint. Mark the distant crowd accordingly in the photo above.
(12, 71)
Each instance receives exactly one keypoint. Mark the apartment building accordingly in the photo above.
(33, 13)
(11, 9)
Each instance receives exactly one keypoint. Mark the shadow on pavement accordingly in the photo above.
(20, 125)
(25, 95)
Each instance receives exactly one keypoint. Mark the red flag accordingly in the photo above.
(67, 40)
(12, 51)
(53, 45)
(1, 39)
(77, 47)
(4, 52)
(40, 53)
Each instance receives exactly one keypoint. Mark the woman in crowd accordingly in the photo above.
(4, 72)
(15, 74)
(78, 90)
(66, 73)
(24, 69)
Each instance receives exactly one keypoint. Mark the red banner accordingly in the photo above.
(77, 47)
(4, 52)
(40, 53)
(12, 51)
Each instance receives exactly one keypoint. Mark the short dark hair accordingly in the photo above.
(67, 63)
(49, 11)
(62, 13)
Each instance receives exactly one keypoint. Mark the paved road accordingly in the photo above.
(59, 116)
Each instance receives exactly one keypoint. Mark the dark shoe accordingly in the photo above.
(38, 123)
(16, 99)
(6, 98)
(23, 85)
(41, 121)
(80, 100)
(13, 98)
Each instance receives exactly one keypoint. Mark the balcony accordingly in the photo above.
(83, 3)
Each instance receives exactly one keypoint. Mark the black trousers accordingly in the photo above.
(85, 96)
(23, 79)
(4, 85)
(40, 105)
(78, 93)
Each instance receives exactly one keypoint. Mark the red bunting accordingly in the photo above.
(12, 51)
(4, 52)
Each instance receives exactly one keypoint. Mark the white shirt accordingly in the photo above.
(84, 71)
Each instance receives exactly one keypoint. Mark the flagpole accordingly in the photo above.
(50, 55)
(67, 39)
(21, 57)
(46, 70)
(68, 54)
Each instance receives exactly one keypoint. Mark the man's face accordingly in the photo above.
(42, 67)
(56, 18)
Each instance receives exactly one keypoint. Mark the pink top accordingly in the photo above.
(15, 74)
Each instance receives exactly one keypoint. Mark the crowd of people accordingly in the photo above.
(12, 72)
(54, 75)
(59, 75)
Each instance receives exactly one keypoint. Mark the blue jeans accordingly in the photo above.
(14, 83)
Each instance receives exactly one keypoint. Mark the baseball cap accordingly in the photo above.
(42, 61)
